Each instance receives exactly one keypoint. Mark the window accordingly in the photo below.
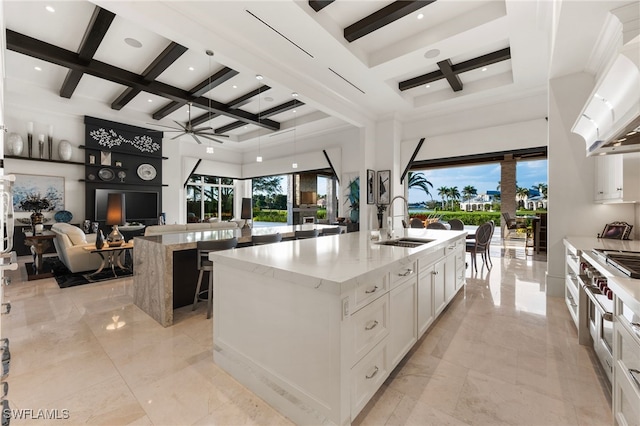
(209, 196)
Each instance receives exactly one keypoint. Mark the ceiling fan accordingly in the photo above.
(195, 132)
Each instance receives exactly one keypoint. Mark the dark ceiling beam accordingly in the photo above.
(471, 64)
(266, 113)
(235, 103)
(200, 89)
(318, 5)
(157, 67)
(382, 17)
(56, 55)
(453, 79)
(96, 30)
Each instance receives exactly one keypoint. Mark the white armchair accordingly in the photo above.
(70, 242)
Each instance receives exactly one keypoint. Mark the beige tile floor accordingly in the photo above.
(502, 353)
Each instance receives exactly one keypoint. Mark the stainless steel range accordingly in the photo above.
(627, 262)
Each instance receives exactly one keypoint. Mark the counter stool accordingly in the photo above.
(257, 240)
(311, 233)
(331, 231)
(204, 264)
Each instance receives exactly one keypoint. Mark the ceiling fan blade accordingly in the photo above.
(207, 133)
(168, 127)
(177, 136)
(210, 138)
(183, 127)
(196, 138)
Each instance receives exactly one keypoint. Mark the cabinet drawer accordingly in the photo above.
(628, 351)
(367, 376)
(369, 326)
(403, 272)
(430, 259)
(626, 399)
(371, 290)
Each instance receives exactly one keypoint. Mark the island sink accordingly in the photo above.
(405, 242)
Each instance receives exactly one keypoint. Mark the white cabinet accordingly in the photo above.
(617, 178)
(425, 299)
(626, 355)
(437, 282)
(403, 332)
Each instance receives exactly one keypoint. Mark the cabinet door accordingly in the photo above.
(449, 277)
(425, 300)
(439, 300)
(402, 320)
(600, 175)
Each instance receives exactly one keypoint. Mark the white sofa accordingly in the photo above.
(189, 227)
(70, 242)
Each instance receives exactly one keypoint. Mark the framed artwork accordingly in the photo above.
(384, 182)
(105, 158)
(371, 186)
(616, 231)
(50, 188)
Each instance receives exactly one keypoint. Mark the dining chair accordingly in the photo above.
(436, 225)
(204, 264)
(311, 233)
(480, 245)
(512, 223)
(456, 225)
(416, 223)
(488, 247)
(258, 240)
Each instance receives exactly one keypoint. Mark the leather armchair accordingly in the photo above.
(70, 242)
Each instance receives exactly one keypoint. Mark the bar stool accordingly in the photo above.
(311, 233)
(257, 240)
(331, 231)
(204, 264)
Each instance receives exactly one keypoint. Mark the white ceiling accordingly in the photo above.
(341, 83)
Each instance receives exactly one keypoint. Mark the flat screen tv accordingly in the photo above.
(139, 205)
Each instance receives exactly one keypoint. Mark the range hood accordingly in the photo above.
(610, 121)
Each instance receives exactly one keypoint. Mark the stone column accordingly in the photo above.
(507, 189)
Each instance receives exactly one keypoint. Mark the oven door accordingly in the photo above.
(600, 316)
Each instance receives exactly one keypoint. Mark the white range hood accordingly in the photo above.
(612, 114)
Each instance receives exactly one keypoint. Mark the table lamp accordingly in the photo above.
(115, 217)
(246, 212)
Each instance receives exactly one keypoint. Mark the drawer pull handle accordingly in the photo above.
(636, 328)
(434, 272)
(407, 273)
(373, 290)
(372, 375)
(633, 372)
(607, 316)
(373, 325)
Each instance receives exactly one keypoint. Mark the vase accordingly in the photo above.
(64, 150)
(354, 215)
(380, 220)
(99, 239)
(30, 144)
(15, 144)
(37, 218)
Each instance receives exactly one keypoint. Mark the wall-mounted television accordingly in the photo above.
(139, 205)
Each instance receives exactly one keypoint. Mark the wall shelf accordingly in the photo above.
(43, 160)
(112, 182)
(137, 154)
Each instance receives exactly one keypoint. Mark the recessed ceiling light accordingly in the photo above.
(294, 111)
(149, 100)
(420, 16)
(133, 42)
(50, 9)
(484, 69)
(209, 150)
(427, 86)
(234, 86)
(245, 127)
(37, 68)
(268, 99)
(432, 53)
(294, 95)
(259, 77)
(191, 68)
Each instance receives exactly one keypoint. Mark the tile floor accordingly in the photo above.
(502, 353)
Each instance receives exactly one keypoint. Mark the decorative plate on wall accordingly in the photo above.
(63, 216)
(106, 174)
(146, 172)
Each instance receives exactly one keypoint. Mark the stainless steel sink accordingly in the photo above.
(405, 242)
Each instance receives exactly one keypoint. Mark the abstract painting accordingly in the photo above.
(49, 187)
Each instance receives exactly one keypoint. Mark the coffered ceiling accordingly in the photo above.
(351, 62)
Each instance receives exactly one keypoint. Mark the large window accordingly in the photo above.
(209, 196)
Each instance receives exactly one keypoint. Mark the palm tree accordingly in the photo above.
(521, 195)
(270, 186)
(542, 188)
(419, 181)
(454, 194)
(442, 192)
(469, 191)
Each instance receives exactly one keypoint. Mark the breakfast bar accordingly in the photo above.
(316, 326)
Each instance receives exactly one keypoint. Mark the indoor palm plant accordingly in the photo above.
(353, 197)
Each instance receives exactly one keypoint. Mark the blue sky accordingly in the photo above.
(482, 177)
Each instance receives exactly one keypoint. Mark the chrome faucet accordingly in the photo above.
(390, 216)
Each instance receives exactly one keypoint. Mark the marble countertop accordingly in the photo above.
(336, 259)
(627, 289)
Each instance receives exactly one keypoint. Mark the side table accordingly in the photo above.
(111, 257)
(39, 243)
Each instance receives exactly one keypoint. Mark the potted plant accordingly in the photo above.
(35, 204)
(353, 197)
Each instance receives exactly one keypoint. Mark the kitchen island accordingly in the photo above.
(166, 270)
(315, 326)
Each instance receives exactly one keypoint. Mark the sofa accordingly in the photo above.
(70, 242)
(189, 227)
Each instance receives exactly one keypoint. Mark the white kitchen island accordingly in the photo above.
(315, 326)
